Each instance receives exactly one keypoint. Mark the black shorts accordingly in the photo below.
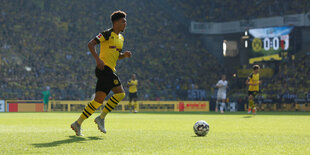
(133, 96)
(106, 80)
(253, 93)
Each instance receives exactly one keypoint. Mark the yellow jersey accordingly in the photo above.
(133, 86)
(254, 79)
(111, 44)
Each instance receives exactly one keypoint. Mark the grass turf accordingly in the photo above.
(156, 133)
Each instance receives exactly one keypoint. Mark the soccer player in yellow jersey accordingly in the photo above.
(133, 83)
(111, 45)
(253, 82)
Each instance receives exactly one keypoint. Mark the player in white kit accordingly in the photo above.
(221, 93)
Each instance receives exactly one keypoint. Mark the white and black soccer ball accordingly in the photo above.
(201, 128)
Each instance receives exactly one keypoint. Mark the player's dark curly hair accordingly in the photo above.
(116, 15)
(256, 67)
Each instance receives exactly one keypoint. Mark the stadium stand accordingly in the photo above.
(290, 81)
(50, 41)
(44, 43)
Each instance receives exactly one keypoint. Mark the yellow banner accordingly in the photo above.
(265, 58)
(244, 73)
(143, 106)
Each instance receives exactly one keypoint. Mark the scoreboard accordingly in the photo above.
(268, 43)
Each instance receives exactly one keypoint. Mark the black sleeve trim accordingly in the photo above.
(106, 34)
(250, 76)
(97, 40)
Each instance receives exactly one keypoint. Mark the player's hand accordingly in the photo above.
(127, 54)
(100, 64)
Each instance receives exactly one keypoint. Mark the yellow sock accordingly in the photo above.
(251, 104)
(111, 104)
(135, 105)
(89, 110)
(129, 105)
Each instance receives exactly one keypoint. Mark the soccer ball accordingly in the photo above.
(201, 128)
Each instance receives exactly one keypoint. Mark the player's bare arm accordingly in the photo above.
(126, 54)
(129, 83)
(247, 82)
(92, 49)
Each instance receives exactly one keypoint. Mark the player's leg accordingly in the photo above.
(101, 92)
(119, 94)
(251, 103)
(254, 107)
(223, 106)
(223, 95)
(130, 102)
(88, 111)
(135, 103)
(92, 106)
(219, 101)
(217, 104)
(45, 106)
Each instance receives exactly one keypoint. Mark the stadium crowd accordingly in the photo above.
(290, 81)
(227, 10)
(44, 43)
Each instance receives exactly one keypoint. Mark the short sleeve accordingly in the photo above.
(225, 83)
(99, 38)
(250, 76)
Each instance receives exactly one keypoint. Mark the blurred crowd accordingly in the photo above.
(44, 43)
(228, 10)
(290, 82)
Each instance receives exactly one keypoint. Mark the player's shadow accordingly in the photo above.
(247, 117)
(71, 139)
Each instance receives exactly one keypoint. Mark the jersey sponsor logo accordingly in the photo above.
(117, 49)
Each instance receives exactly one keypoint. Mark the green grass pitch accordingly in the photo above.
(156, 133)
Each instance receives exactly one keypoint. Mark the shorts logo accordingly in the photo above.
(115, 82)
